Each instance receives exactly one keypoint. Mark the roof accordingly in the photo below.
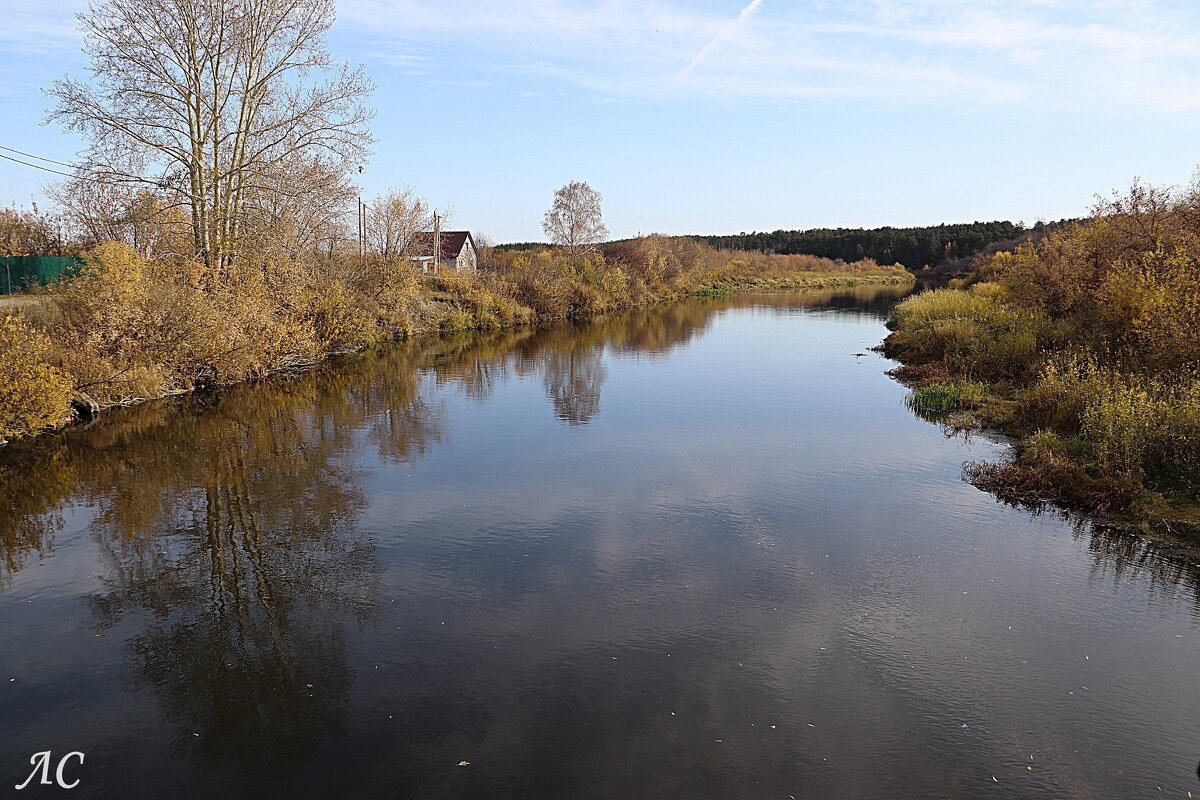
(421, 244)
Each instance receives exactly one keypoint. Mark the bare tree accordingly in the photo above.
(574, 220)
(393, 220)
(215, 97)
(305, 210)
(97, 211)
(31, 233)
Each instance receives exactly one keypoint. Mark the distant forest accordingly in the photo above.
(914, 248)
(946, 249)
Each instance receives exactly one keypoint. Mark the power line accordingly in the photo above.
(39, 158)
(96, 177)
(37, 166)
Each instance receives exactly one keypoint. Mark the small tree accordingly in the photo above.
(574, 220)
(394, 219)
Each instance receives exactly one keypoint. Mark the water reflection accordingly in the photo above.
(281, 595)
(276, 447)
(228, 535)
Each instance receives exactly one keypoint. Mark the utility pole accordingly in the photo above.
(362, 226)
(437, 242)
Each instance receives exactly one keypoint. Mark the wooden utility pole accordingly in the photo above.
(437, 242)
(362, 231)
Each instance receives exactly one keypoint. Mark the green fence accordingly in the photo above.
(20, 272)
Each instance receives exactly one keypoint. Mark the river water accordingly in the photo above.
(703, 550)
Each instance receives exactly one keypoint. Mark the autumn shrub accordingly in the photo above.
(614, 284)
(1136, 428)
(106, 337)
(1150, 310)
(1144, 427)
(1058, 273)
(1057, 399)
(544, 283)
(33, 393)
(340, 322)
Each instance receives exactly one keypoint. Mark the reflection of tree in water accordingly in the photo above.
(573, 381)
(227, 531)
(239, 558)
(1169, 565)
(31, 478)
(475, 363)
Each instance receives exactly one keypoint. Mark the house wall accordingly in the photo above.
(466, 261)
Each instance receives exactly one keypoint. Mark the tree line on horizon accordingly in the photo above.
(944, 247)
(913, 248)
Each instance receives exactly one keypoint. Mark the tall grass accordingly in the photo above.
(972, 334)
(942, 397)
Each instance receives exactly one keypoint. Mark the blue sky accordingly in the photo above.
(718, 117)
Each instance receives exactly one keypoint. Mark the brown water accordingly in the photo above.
(699, 551)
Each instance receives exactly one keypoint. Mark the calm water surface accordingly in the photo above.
(699, 551)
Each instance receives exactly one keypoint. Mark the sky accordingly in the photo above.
(722, 117)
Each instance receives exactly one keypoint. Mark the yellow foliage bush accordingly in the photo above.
(340, 321)
(33, 394)
(1151, 309)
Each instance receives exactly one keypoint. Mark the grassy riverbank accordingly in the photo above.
(129, 329)
(1085, 347)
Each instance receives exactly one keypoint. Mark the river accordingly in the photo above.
(702, 550)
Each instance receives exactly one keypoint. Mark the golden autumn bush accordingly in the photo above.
(1097, 325)
(33, 393)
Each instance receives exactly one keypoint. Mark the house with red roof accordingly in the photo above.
(457, 252)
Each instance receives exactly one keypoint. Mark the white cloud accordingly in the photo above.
(1143, 54)
(1125, 55)
(39, 28)
(725, 33)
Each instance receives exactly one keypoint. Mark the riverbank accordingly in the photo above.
(1083, 347)
(127, 330)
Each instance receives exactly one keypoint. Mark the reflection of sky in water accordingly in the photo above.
(721, 561)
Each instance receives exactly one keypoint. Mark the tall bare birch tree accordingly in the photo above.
(211, 100)
(574, 220)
